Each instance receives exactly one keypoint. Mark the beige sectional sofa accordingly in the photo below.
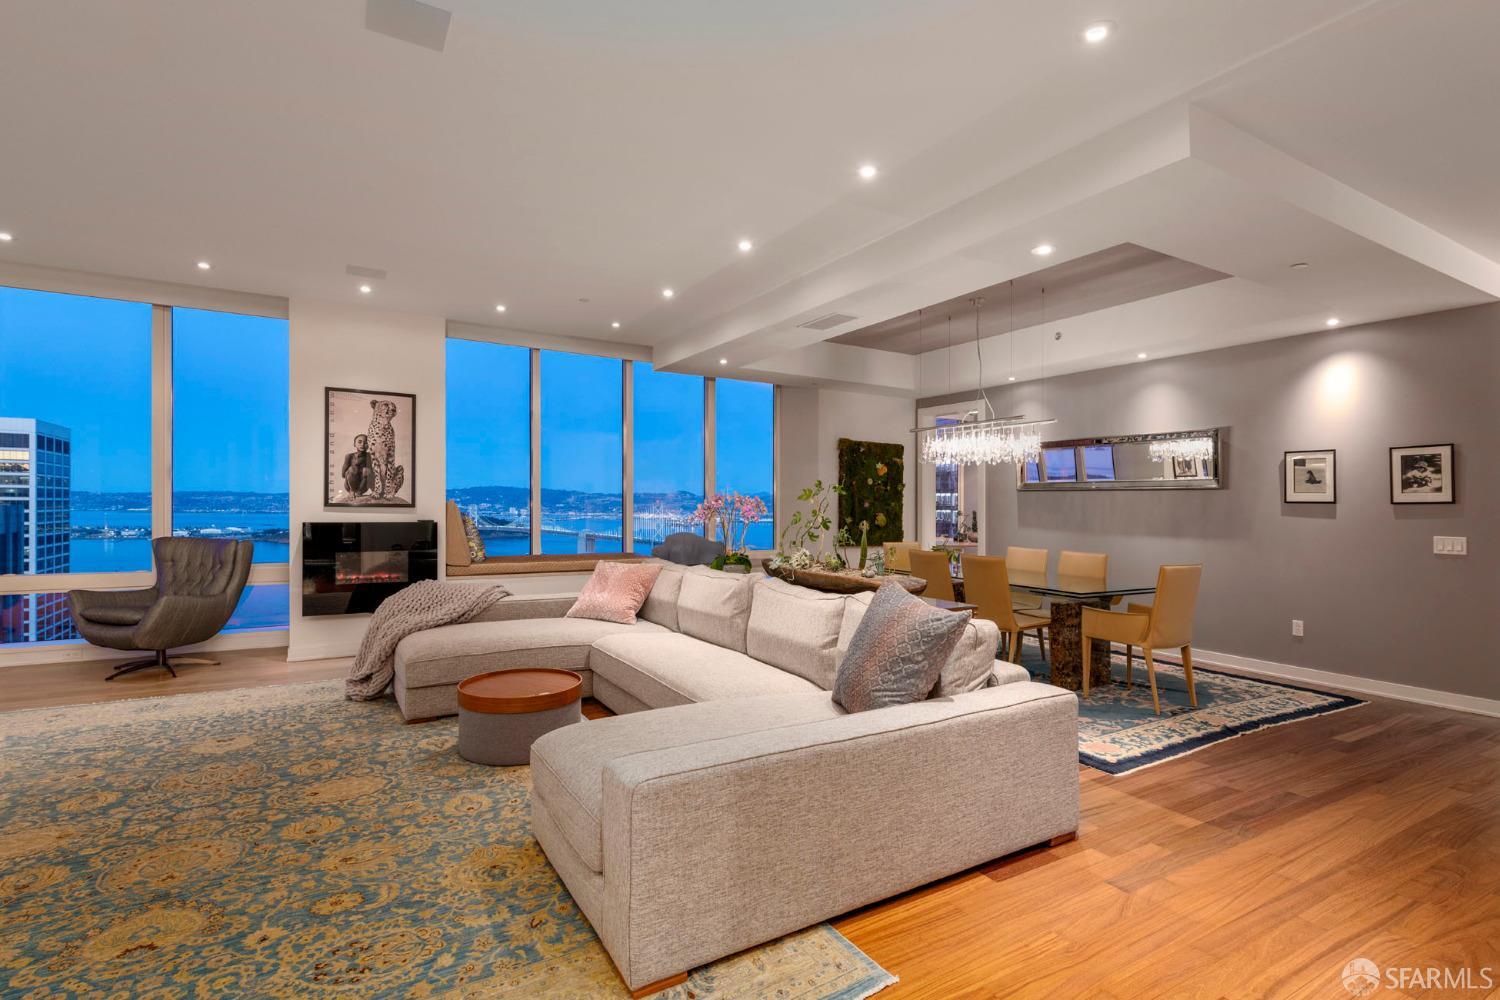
(732, 801)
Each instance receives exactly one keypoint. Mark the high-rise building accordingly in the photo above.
(36, 464)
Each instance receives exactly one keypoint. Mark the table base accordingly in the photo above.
(1065, 636)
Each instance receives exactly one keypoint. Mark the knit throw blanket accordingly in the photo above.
(423, 605)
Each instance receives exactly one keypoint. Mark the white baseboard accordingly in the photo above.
(331, 650)
(69, 652)
(1271, 670)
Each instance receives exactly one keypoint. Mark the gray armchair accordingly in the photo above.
(198, 585)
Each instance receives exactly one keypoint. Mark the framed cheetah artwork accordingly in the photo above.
(370, 448)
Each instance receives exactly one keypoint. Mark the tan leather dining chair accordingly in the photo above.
(1083, 565)
(987, 585)
(1167, 624)
(933, 567)
(1026, 562)
(897, 559)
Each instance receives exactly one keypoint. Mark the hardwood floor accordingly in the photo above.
(1255, 868)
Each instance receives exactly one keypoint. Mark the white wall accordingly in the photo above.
(359, 348)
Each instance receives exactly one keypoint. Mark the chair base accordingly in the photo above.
(161, 660)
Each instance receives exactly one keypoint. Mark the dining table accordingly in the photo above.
(1066, 598)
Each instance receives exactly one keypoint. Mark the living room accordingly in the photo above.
(811, 501)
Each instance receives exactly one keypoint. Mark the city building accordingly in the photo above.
(35, 486)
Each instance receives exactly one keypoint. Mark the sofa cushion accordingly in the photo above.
(715, 606)
(796, 629)
(448, 654)
(898, 652)
(969, 666)
(567, 764)
(661, 603)
(663, 668)
(615, 592)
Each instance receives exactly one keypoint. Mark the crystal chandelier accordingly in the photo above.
(1183, 449)
(982, 441)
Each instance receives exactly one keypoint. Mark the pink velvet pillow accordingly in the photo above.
(615, 592)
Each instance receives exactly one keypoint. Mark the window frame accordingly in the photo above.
(162, 299)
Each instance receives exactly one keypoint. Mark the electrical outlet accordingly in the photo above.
(1450, 545)
(1297, 627)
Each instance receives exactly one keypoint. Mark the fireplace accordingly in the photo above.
(349, 567)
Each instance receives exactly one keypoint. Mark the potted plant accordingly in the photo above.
(733, 514)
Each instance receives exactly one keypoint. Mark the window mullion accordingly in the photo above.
(536, 450)
(627, 464)
(710, 444)
(161, 421)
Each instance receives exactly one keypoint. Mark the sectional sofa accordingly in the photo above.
(731, 801)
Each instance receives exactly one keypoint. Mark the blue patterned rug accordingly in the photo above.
(1119, 731)
(284, 842)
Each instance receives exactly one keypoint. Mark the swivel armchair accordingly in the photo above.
(198, 585)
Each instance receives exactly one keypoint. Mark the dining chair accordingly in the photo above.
(1166, 624)
(987, 585)
(896, 558)
(933, 567)
(1030, 562)
(1086, 566)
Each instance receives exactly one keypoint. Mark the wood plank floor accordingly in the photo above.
(1255, 868)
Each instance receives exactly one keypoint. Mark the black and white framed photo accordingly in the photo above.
(1423, 473)
(1310, 477)
(370, 441)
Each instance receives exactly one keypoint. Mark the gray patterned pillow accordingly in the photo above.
(897, 653)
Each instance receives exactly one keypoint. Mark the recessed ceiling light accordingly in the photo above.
(746, 246)
(1300, 265)
(365, 289)
(1043, 249)
(1141, 355)
(723, 361)
(1098, 32)
(6, 237)
(204, 265)
(1011, 379)
(667, 293)
(499, 307)
(868, 171)
(1331, 321)
(615, 324)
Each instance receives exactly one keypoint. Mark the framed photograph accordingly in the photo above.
(1310, 477)
(1423, 473)
(370, 440)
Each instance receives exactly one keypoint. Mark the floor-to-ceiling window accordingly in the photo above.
(745, 449)
(489, 441)
(582, 502)
(667, 435)
(84, 433)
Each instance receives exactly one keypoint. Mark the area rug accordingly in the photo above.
(283, 842)
(1119, 730)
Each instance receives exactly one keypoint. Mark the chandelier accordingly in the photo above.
(982, 441)
(1182, 449)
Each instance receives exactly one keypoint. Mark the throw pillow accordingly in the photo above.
(615, 592)
(471, 535)
(897, 654)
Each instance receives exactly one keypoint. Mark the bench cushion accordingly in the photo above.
(664, 668)
(446, 655)
(567, 765)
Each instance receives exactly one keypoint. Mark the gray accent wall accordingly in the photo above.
(1361, 574)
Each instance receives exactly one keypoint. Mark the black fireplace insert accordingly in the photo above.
(349, 567)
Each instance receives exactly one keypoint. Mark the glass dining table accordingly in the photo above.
(1067, 596)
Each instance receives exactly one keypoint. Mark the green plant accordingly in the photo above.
(864, 543)
(731, 559)
(804, 532)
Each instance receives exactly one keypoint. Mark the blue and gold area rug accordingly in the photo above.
(282, 842)
(1119, 730)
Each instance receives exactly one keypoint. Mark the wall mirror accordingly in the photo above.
(1179, 460)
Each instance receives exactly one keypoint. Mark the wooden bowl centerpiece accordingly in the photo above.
(840, 581)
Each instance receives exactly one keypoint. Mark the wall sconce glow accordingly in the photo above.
(868, 171)
(204, 265)
(1097, 32)
(500, 308)
(667, 293)
(1043, 250)
(1337, 385)
(6, 237)
(746, 246)
(365, 289)
(1331, 322)
(615, 324)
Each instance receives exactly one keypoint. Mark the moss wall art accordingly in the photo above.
(873, 475)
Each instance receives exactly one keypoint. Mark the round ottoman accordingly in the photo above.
(501, 713)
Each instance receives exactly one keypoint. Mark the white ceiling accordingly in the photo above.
(565, 151)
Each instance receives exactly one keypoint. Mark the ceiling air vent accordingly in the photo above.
(827, 322)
